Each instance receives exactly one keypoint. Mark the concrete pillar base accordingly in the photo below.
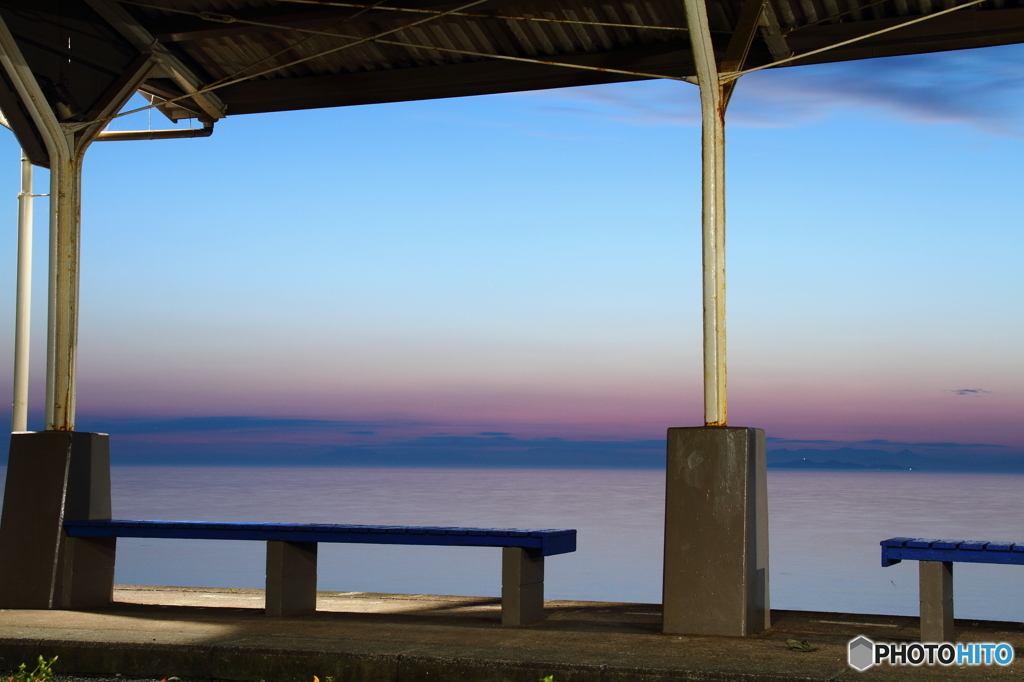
(936, 585)
(53, 477)
(716, 532)
(522, 586)
(291, 578)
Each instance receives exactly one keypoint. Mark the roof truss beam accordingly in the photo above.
(138, 35)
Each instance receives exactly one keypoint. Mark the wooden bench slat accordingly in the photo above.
(920, 543)
(895, 542)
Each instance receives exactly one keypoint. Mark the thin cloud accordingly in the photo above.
(980, 88)
(882, 441)
(125, 426)
(969, 391)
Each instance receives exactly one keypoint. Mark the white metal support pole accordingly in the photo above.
(62, 313)
(22, 314)
(712, 105)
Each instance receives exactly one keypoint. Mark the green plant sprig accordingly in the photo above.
(43, 672)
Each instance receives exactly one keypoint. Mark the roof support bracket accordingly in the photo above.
(115, 97)
(124, 23)
(740, 42)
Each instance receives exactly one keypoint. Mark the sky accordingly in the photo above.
(529, 264)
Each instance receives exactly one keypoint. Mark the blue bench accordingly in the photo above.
(935, 566)
(292, 554)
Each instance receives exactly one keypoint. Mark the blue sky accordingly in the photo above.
(529, 263)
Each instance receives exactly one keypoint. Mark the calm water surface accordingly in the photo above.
(825, 529)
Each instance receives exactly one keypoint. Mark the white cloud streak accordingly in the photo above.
(983, 89)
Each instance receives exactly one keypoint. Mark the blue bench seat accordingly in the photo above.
(936, 558)
(895, 550)
(292, 552)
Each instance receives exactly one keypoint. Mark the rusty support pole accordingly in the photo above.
(712, 105)
(62, 314)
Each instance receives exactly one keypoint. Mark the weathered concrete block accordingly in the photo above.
(53, 477)
(291, 578)
(716, 532)
(522, 586)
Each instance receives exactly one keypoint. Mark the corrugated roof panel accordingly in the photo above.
(229, 45)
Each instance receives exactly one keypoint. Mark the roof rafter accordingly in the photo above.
(772, 33)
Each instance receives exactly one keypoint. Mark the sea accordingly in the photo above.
(825, 528)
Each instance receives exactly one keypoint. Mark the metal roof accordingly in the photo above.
(215, 58)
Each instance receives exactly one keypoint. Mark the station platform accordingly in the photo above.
(163, 632)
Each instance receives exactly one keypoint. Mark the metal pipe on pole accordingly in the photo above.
(171, 134)
(23, 304)
(712, 106)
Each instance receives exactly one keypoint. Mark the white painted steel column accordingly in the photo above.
(23, 304)
(712, 105)
(62, 313)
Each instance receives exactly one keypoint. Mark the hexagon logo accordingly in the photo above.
(861, 654)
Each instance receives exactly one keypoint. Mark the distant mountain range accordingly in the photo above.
(428, 451)
(906, 460)
(256, 441)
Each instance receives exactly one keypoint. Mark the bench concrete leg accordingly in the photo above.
(522, 586)
(88, 579)
(936, 582)
(291, 578)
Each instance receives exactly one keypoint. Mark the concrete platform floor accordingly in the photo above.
(159, 632)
